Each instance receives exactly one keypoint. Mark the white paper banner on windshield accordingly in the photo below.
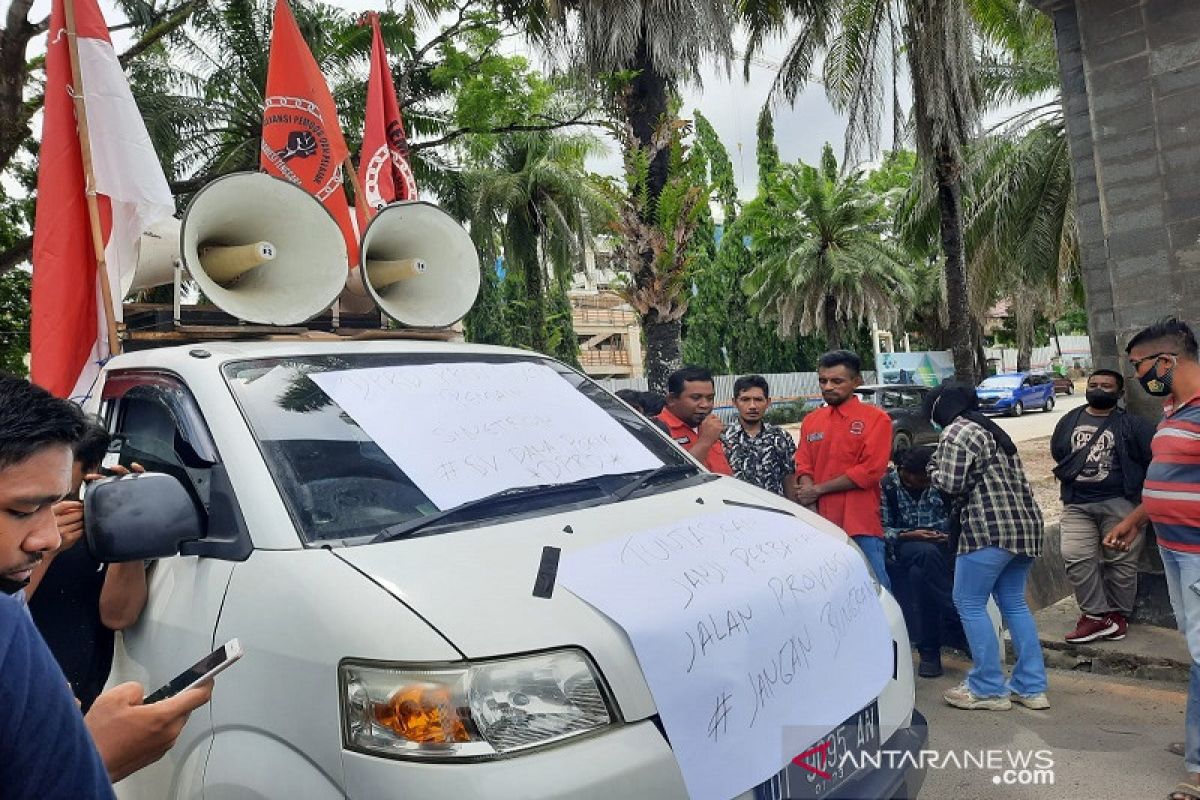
(744, 622)
(462, 431)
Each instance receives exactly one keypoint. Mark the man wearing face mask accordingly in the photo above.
(1102, 454)
(1166, 360)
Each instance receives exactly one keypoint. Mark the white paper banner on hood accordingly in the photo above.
(749, 626)
(462, 431)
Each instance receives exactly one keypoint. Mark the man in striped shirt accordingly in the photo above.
(1166, 360)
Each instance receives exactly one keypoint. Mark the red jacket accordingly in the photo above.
(686, 436)
(855, 440)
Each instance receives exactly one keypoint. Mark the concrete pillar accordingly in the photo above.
(1131, 99)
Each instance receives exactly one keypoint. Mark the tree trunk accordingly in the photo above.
(947, 172)
(662, 351)
(1024, 355)
(534, 280)
(829, 321)
(645, 106)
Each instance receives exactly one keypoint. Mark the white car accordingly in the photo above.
(265, 534)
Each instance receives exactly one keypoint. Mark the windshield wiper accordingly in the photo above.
(623, 492)
(403, 529)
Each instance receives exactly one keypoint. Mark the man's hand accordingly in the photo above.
(710, 429)
(1122, 535)
(130, 735)
(808, 495)
(117, 470)
(68, 515)
(923, 535)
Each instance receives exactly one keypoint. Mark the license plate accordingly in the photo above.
(823, 766)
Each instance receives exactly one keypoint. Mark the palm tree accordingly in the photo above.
(825, 263)
(1018, 194)
(641, 51)
(534, 196)
(862, 42)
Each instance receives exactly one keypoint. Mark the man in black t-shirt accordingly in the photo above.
(1102, 454)
(76, 601)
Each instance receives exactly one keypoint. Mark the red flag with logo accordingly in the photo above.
(69, 335)
(302, 140)
(383, 167)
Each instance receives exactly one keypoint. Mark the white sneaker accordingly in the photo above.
(1038, 702)
(962, 697)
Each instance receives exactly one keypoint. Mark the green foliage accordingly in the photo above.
(786, 413)
(14, 320)
(766, 151)
(484, 323)
(533, 200)
(720, 169)
(561, 341)
(824, 261)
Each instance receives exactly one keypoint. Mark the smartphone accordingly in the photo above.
(197, 673)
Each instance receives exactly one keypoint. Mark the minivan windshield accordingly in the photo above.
(1001, 382)
(342, 488)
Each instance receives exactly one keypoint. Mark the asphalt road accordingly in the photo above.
(1035, 424)
(1107, 738)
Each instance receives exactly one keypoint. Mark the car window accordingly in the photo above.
(156, 423)
(1000, 382)
(337, 483)
(911, 398)
(890, 398)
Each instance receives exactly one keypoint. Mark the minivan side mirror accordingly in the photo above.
(139, 516)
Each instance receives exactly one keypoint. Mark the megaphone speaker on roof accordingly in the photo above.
(262, 249)
(418, 265)
(157, 249)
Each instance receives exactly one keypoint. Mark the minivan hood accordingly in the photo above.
(475, 586)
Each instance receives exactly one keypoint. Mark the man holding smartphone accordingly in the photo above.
(45, 749)
(1166, 360)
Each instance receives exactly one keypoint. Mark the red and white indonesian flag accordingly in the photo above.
(69, 338)
(383, 167)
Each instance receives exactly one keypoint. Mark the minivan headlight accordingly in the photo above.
(481, 709)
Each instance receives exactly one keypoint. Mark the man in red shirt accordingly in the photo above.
(844, 450)
(689, 420)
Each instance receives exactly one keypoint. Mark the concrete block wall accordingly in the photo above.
(1131, 101)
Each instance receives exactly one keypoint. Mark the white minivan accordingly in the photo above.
(393, 650)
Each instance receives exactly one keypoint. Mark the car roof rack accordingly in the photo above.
(150, 325)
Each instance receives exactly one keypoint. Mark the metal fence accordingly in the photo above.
(784, 386)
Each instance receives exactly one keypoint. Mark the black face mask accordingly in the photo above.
(1102, 400)
(1158, 385)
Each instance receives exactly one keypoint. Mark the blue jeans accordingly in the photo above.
(991, 571)
(1181, 571)
(875, 549)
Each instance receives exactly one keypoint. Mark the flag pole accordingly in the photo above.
(93, 205)
(360, 200)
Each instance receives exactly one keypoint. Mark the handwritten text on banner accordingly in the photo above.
(462, 431)
(743, 622)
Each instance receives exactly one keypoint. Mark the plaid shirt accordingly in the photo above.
(899, 511)
(763, 460)
(997, 505)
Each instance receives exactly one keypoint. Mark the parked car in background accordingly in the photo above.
(902, 402)
(1015, 393)
(1062, 384)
